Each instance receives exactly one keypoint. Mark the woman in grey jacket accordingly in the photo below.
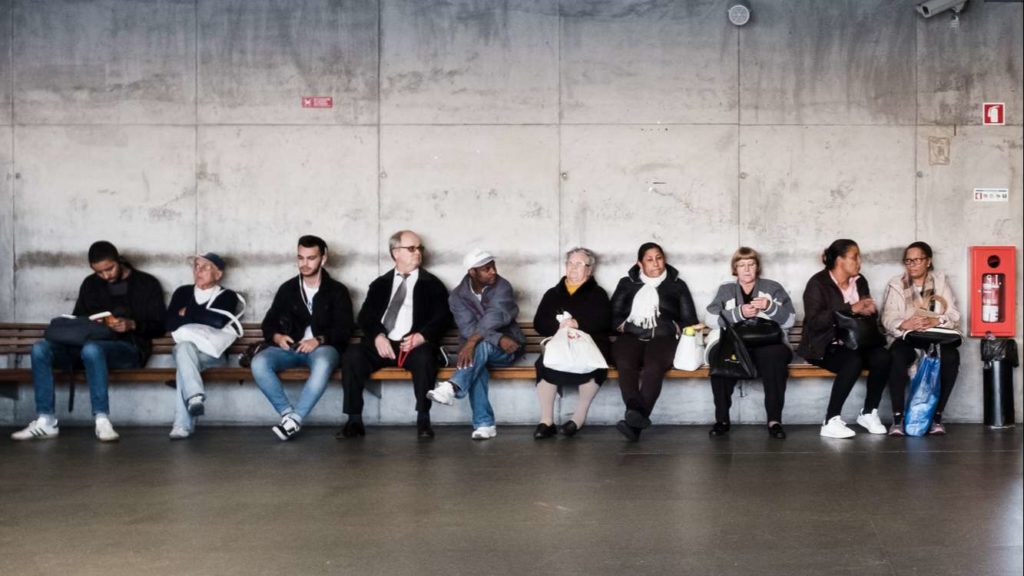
(748, 297)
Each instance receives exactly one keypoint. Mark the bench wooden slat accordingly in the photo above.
(17, 339)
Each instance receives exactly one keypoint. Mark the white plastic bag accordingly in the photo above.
(573, 351)
(690, 351)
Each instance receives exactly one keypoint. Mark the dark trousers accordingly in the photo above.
(847, 365)
(903, 355)
(642, 365)
(773, 364)
(362, 360)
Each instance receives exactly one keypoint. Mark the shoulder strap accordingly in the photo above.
(234, 320)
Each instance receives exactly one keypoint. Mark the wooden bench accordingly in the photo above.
(16, 342)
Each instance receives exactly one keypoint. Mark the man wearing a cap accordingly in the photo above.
(133, 304)
(485, 311)
(403, 318)
(195, 304)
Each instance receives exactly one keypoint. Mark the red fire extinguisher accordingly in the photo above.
(991, 298)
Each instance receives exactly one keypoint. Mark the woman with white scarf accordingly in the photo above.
(650, 307)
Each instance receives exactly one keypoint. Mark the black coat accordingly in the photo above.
(821, 298)
(675, 304)
(145, 305)
(331, 318)
(589, 306)
(430, 314)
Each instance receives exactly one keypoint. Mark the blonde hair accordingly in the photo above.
(746, 253)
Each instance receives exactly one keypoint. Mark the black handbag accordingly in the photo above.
(925, 339)
(729, 358)
(857, 332)
(756, 332)
(76, 331)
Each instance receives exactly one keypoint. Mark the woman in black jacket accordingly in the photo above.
(575, 302)
(650, 307)
(841, 288)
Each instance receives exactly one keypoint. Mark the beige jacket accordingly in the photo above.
(898, 305)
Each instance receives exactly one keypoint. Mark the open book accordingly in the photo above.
(96, 316)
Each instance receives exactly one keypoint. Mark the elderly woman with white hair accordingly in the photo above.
(577, 301)
(650, 308)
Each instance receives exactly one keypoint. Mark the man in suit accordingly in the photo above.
(403, 319)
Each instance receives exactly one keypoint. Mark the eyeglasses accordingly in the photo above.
(913, 261)
(410, 249)
(577, 265)
(746, 266)
(202, 266)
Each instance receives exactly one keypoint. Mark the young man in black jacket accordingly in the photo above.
(403, 319)
(309, 325)
(134, 302)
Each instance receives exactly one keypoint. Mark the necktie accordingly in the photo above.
(391, 316)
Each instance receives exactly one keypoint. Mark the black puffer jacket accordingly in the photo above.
(675, 303)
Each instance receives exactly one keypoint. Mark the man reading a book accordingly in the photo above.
(131, 304)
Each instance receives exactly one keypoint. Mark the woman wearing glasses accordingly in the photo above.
(746, 298)
(575, 302)
(916, 300)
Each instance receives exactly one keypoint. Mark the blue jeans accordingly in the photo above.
(190, 363)
(321, 363)
(474, 381)
(97, 356)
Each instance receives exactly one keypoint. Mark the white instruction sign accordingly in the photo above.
(991, 194)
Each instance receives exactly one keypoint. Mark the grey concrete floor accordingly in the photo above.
(237, 501)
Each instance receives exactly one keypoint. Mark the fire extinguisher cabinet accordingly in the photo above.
(993, 291)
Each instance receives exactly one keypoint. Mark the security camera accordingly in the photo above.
(930, 8)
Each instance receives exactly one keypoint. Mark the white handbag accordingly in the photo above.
(573, 351)
(209, 340)
(690, 351)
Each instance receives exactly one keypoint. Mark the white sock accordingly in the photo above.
(48, 419)
(101, 416)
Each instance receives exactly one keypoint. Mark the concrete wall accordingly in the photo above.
(526, 127)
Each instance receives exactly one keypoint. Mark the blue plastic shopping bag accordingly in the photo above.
(924, 397)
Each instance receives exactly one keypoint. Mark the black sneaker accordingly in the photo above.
(776, 431)
(286, 429)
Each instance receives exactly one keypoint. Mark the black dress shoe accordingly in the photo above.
(569, 429)
(719, 429)
(636, 419)
(776, 431)
(351, 430)
(632, 434)
(425, 432)
(543, 431)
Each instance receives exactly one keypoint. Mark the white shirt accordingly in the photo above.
(310, 293)
(403, 323)
(203, 296)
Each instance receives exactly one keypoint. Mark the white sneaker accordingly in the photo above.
(105, 431)
(38, 429)
(443, 393)
(836, 428)
(485, 433)
(179, 433)
(871, 422)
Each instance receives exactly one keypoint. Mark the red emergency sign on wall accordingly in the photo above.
(317, 102)
(994, 113)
